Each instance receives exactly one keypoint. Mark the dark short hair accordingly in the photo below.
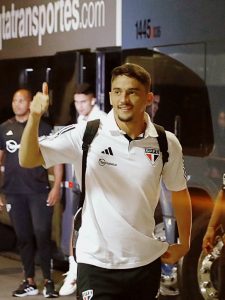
(85, 88)
(133, 71)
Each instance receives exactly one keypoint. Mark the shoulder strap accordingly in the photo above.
(89, 134)
(163, 144)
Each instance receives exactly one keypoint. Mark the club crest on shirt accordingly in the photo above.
(152, 154)
(87, 295)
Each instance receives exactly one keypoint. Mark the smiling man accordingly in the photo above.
(117, 254)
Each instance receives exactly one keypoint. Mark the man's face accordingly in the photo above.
(84, 103)
(21, 103)
(129, 98)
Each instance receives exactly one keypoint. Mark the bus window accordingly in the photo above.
(183, 101)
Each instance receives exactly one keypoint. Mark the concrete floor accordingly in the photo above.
(11, 276)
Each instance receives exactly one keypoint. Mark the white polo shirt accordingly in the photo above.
(122, 191)
(95, 113)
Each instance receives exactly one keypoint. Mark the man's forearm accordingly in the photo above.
(183, 213)
(29, 152)
(217, 211)
(58, 175)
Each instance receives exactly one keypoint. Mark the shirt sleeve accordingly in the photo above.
(62, 147)
(174, 176)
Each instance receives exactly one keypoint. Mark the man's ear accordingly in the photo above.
(93, 100)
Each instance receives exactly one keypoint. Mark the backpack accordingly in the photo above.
(89, 134)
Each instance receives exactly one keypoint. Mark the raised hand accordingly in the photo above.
(45, 88)
(40, 102)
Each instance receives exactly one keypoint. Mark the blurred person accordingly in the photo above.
(216, 164)
(214, 223)
(209, 240)
(85, 105)
(220, 135)
(30, 200)
(153, 107)
(1, 204)
(221, 123)
(118, 256)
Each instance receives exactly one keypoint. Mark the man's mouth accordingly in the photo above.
(125, 108)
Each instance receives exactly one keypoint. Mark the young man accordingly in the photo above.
(29, 198)
(84, 103)
(118, 256)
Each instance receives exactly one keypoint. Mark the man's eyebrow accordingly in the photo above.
(129, 89)
(133, 89)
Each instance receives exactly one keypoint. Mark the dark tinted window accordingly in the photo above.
(183, 102)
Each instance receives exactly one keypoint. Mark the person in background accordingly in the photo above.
(217, 218)
(154, 107)
(214, 222)
(216, 163)
(1, 204)
(30, 199)
(220, 135)
(118, 256)
(85, 105)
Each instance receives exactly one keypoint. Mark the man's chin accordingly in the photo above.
(125, 118)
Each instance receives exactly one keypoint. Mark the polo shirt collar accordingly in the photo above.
(111, 126)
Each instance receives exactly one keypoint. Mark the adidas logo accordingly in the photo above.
(108, 151)
(9, 132)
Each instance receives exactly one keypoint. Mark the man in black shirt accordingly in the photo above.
(29, 197)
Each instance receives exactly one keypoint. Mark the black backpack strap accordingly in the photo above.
(163, 144)
(89, 134)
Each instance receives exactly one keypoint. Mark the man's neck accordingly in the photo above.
(133, 130)
(21, 119)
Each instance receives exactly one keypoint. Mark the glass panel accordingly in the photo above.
(181, 102)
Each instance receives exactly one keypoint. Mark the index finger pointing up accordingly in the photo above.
(45, 88)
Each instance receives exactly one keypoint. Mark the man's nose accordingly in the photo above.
(124, 97)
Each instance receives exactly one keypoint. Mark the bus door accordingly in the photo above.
(69, 69)
(181, 105)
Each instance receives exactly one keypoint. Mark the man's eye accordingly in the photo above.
(132, 92)
(117, 93)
